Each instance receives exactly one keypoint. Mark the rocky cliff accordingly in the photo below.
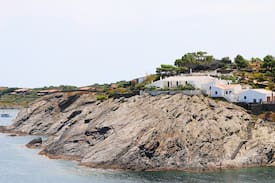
(169, 132)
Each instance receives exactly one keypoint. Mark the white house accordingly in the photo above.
(199, 82)
(215, 87)
(228, 91)
(257, 96)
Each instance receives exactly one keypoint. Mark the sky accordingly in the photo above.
(82, 42)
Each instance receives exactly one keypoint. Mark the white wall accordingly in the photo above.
(155, 84)
(216, 92)
(203, 83)
(249, 96)
(171, 84)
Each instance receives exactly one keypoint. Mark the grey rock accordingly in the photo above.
(166, 132)
(35, 143)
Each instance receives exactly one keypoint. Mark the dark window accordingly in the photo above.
(210, 88)
(216, 92)
(177, 83)
(244, 97)
(226, 92)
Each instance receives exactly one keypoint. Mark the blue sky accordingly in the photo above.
(81, 42)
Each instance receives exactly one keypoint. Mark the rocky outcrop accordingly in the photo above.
(3, 129)
(168, 132)
(35, 143)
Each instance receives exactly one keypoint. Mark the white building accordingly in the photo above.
(199, 82)
(228, 91)
(257, 96)
(215, 87)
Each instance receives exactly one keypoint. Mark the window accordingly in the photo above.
(254, 100)
(177, 83)
(216, 93)
(245, 97)
(210, 88)
(226, 92)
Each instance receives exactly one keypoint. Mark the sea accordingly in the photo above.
(19, 164)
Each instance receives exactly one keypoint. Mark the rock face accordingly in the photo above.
(35, 143)
(169, 132)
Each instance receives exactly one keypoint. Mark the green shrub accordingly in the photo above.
(186, 87)
(101, 97)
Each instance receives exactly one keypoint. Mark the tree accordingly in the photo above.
(191, 60)
(255, 60)
(209, 58)
(167, 70)
(188, 60)
(240, 61)
(200, 55)
(269, 62)
(196, 60)
(226, 60)
(271, 86)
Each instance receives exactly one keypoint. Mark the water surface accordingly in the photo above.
(21, 165)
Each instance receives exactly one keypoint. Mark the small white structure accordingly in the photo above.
(229, 92)
(257, 96)
(140, 79)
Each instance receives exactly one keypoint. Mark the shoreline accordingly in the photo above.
(116, 168)
(210, 169)
(11, 107)
(77, 160)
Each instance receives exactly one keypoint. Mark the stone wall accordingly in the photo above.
(258, 108)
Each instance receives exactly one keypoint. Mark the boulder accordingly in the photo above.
(35, 143)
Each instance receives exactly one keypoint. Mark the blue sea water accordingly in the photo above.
(21, 165)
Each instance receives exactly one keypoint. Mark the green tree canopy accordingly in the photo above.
(254, 60)
(226, 60)
(240, 61)
(269, 62)
(167, 70)
(190, 60)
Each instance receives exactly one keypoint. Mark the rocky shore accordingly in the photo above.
(168, 132)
